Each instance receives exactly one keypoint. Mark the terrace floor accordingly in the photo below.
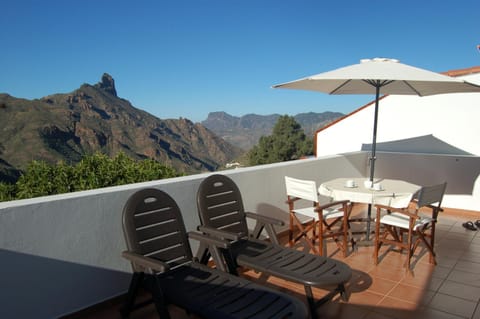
(386, 291)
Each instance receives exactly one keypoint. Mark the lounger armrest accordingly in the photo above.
(267, 223)
(145, 262)
(209, 240)
(218, 233)
(265, 219)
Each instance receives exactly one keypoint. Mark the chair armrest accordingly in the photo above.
(397, 210)
(145, 262)
(218, 233)
(265, 219)
(334, 203)
(209, 240)
(434, 207)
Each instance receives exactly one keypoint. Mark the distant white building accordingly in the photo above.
(437, 124)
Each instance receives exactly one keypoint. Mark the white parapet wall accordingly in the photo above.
(62, 253)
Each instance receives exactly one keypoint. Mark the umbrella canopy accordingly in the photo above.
(390, 75)
(380, 75)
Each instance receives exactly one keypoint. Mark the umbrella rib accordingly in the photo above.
(378, 83)
(412, 88)
(339, 87)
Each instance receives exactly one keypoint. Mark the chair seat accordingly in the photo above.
(402, 221)
(331, 212)
(419, 229)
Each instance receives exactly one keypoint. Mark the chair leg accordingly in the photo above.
(321, 243)
(290, 231)
(410, 247)
(432, 244)
(345, 231)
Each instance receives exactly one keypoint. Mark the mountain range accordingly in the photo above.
(92, 118)
(245, 131)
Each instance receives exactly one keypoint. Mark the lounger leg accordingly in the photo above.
(135, 283)
(159, 299)
(311, 301)
(203, 254)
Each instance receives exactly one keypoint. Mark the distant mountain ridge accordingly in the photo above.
(93, 118)
(245, 131)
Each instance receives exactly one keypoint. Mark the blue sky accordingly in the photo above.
(184, 58)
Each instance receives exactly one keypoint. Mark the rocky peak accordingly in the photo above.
(107, 84)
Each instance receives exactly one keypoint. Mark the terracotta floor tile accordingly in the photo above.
(377, 315)
(335, 310)
(382, 286)
(360, 282)
(430, 313)
(468, 266)
(407, 293)
(434, 284)
(397, 308)
(385, 273)
(471, 256)
(460, 290)
(464, 277)
(476, 315)
(366, 298)
(453, 305)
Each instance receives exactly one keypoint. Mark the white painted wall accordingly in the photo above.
(452, 118)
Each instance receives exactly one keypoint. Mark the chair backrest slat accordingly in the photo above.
(220, 204)
(153, 227)
(431, 195)
(303, 189)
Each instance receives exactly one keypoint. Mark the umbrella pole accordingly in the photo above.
(374, 142)
(373, 155)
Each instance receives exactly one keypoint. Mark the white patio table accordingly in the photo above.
(390, 192)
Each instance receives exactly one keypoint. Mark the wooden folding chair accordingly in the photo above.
(419, 228)
(330, 220)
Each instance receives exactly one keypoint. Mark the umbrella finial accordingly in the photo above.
(379, 60)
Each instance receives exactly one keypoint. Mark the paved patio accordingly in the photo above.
(386, 291)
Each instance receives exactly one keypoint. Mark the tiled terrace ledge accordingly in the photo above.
(62, 253)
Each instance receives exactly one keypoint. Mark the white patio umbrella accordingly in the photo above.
(381, 75)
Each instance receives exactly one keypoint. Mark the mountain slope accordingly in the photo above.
(93, 118)
(245, 131)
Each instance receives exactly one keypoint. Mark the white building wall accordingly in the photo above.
(452, 118)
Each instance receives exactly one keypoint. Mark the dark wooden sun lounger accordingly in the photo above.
(223, 216)
(159, 251)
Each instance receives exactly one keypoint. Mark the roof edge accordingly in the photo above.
(460, 72)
